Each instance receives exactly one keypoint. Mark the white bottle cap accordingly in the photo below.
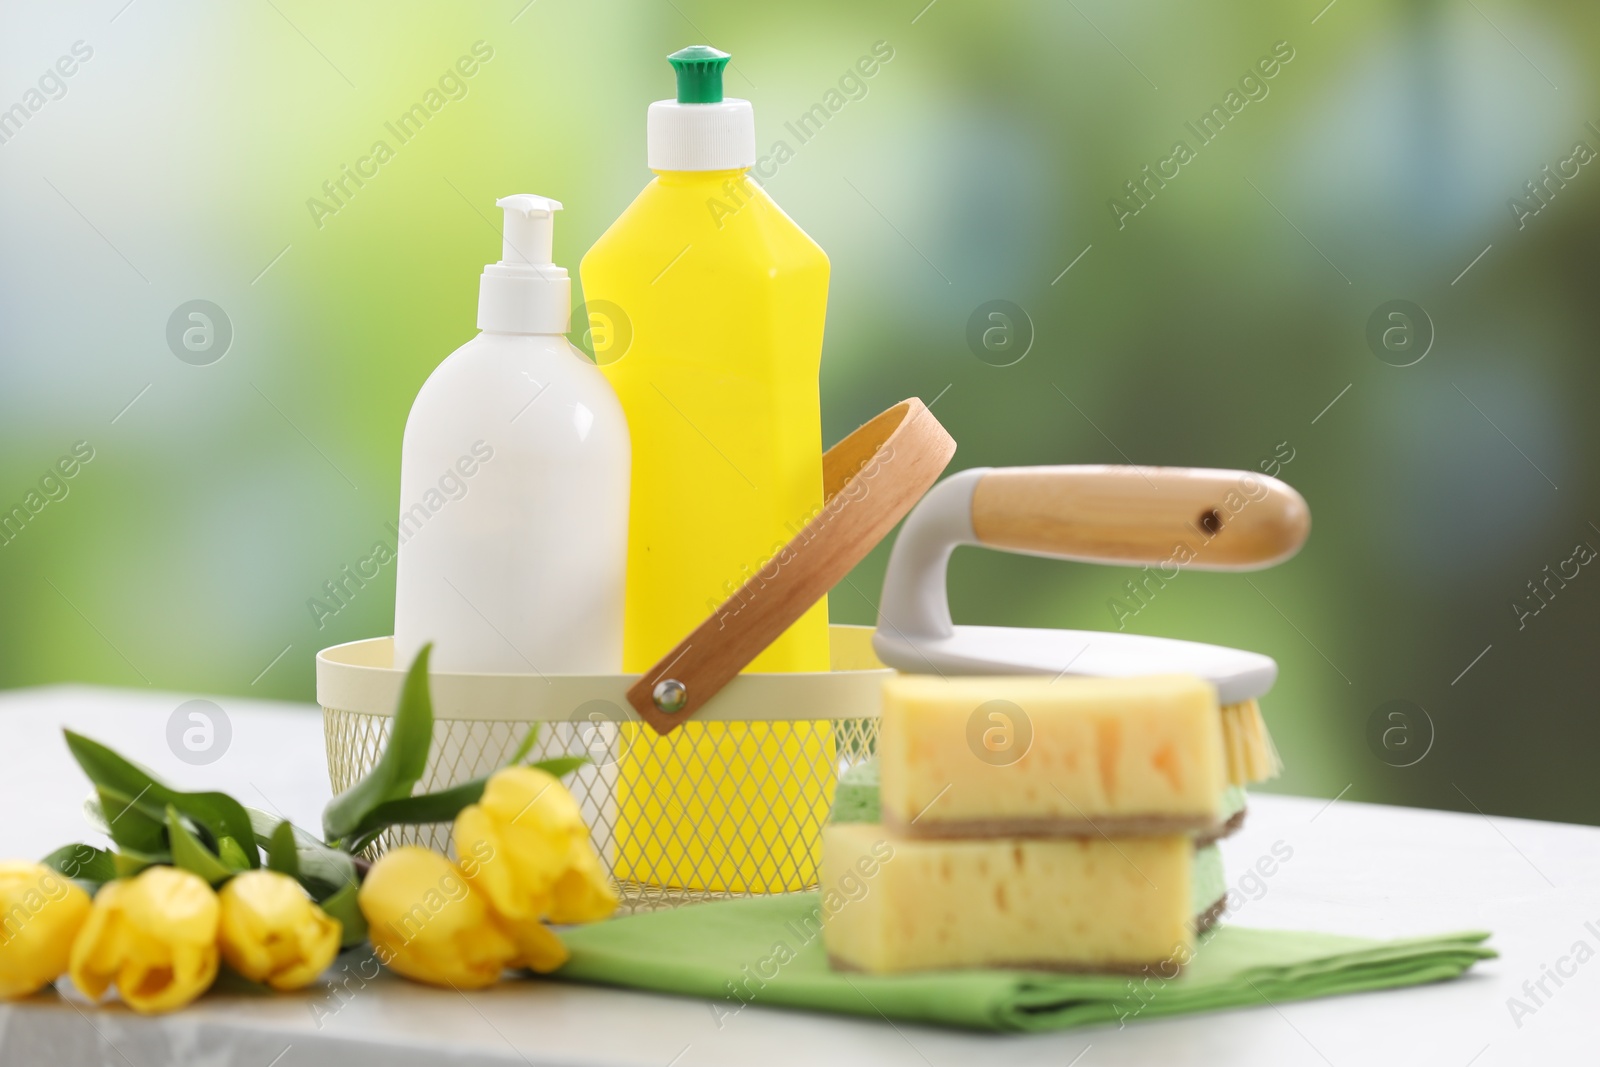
(525, 292)
(701, 129)
(720, 136)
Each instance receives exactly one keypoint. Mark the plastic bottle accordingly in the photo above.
(514, 484)
(725, 298)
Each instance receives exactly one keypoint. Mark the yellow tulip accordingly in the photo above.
(272, 932)
(41, 912)
(427, 923)
(154, 936)
(524, 845)
(538, 947)
(583, 893)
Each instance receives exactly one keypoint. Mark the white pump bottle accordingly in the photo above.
(514, 484)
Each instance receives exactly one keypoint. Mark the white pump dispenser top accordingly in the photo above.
(525, 292)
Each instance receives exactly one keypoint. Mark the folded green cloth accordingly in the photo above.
(767, 951)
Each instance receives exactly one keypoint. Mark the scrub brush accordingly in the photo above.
(1162, 518)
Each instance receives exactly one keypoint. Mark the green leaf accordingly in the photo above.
(130, 863)
(399, 766)
(262, 824)
(281, 854)
(189, 853)
(323, 870)
(526, 747)
(560, 766)
(444, 805)
(344, 906)
(132, 825)
(233, 854)
(94, 814)
(83, 864)
(220, 815)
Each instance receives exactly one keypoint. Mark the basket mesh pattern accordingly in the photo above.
(712, 810)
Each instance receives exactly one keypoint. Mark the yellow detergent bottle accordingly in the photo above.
(707, 305)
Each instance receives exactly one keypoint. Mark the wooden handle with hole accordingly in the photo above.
(1205, 519)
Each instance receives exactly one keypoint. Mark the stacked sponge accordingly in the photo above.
(1026, 822)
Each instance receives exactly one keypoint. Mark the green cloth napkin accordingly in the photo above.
(764, 951)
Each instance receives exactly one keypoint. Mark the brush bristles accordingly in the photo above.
(1252, 757)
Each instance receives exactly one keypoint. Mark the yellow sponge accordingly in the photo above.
(1028, 756)
(1086, 904)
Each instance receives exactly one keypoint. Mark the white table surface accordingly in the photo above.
(1355, 868)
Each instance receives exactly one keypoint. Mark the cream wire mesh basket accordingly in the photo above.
(731, 803)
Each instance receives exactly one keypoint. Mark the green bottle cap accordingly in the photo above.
(699, 70)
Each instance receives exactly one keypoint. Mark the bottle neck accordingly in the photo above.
(702, 178)
(531, 300)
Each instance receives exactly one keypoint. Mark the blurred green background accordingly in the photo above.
(1214, 327)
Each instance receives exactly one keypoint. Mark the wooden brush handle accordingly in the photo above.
(870, 480)
(1222, 519)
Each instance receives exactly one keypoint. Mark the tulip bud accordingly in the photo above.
(524, 845)
(154, 936)
(41, 912)
(538, 947)
(272, 932)
(427, 923)
(583, 893)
